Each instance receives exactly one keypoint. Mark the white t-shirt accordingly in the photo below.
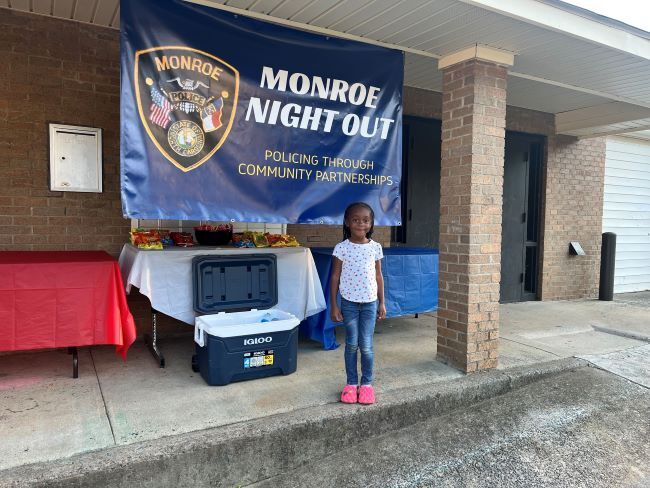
(358, 277)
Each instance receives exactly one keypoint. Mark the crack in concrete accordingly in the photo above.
(99, 384)
(36, 405)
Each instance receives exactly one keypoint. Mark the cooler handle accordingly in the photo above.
(199, 335)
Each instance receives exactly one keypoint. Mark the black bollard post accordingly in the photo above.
(607, 265)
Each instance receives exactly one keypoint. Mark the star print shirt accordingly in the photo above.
(358, 277)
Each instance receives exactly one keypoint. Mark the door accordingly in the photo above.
(420, 187)
(521, 208)
(626, 211)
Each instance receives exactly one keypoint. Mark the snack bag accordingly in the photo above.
(249, 239)
(240, 240)
(260, 239)
(165, 238)
(144, 239)
(134, 236)
(290, 240)
(183, 239)
(152, 245)
(282, 240)
(274, 240)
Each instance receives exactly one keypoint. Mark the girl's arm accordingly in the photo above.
(335, 312)
(381, 308)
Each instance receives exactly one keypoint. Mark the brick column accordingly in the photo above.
(471, 195)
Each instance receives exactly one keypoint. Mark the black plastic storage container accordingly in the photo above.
(238, 338)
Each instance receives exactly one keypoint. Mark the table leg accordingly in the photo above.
(152, 341)
(75, 361)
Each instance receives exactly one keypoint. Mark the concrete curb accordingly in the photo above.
(246, 452)
(622, 333)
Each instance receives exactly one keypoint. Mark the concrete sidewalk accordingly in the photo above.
(45, 415)
(576, 429)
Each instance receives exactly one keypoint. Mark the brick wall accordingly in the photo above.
(65, 72)
(573, 211)
(330, 235)
(428, 104)
(422, 103)
(529, 121)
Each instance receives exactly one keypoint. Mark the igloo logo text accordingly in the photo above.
(257, 340)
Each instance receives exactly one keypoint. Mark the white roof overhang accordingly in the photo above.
(591, 71)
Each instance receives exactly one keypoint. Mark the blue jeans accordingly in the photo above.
(359, 320)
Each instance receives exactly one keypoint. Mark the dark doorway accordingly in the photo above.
(521, 215)
(420, 186)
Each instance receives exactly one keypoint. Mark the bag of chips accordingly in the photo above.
(290, 240)
(165, 238)
(240, 240)
(146, 239)
(260, 239)
(281, 240)
(183, 239)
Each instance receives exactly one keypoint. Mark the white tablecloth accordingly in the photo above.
(165, 277)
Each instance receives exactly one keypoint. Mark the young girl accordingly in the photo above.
(356, 274)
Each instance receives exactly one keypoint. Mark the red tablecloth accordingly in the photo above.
(62, 299)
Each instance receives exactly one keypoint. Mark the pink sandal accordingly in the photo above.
(366, 395)
(349, 394)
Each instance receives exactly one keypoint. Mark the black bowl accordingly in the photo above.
(213, 237)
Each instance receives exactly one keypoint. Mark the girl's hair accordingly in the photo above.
(346, 230)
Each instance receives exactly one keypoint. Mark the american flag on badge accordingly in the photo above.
(160, 109)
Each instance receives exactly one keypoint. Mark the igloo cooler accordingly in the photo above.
(240, 337)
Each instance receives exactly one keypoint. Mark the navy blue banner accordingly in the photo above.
(224, 117)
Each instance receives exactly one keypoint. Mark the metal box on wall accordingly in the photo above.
(75, 158)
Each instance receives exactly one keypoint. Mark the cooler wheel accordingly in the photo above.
(195, 363)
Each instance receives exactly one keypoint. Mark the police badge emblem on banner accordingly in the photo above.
(186, 100)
